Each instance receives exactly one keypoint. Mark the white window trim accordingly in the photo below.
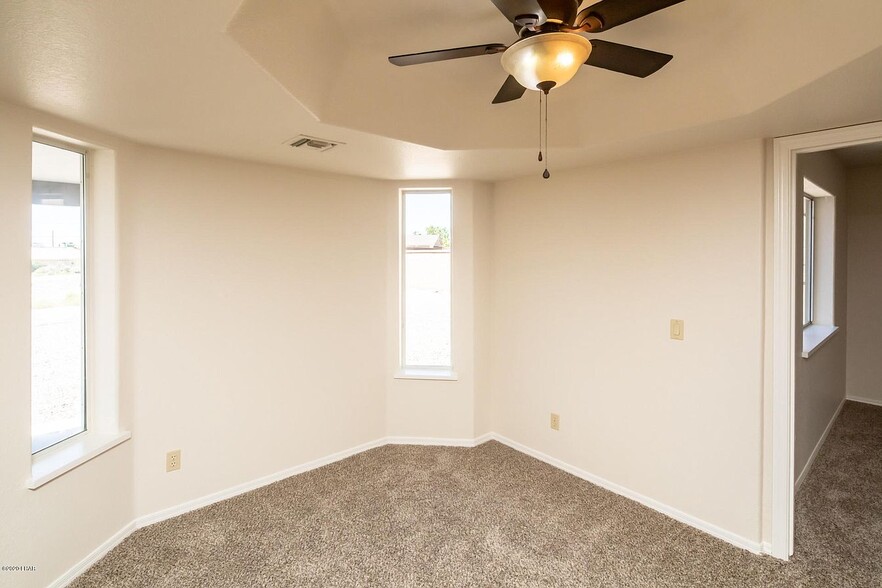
(821, 328)
(419, 372)
(814, 337)
(414, 373)
(75, 451)
(102, 431)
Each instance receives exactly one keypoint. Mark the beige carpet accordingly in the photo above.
(490, 516)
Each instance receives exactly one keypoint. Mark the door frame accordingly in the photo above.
(783, 315)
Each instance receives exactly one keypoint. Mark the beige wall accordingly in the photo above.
(258, 317)
(251, 324)
(864, 368)
(589, 268)
(483, 240)
(250, 336)
(57, 525)
(820, 379)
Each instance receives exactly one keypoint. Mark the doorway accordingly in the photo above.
(785, 331)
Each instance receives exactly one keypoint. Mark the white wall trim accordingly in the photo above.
(484, 438)
(863, 400)
(439, 441)
(816, 336)
(782, 348)
(811, 459)
(685, 518)
(782, 318)
(99, 552)
(209, 499)
(70, 454)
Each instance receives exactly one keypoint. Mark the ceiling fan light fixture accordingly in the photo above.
(547, 57)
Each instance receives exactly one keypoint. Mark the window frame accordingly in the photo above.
(421, 372)
(809, 240)
(84, 264)
(104, 420)
(819, 234)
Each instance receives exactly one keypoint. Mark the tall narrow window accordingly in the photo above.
(58, 383)
(808, 261)
(425, 272)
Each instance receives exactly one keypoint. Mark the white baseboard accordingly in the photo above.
(811, 460)
(99, 552)
(695, 522)
(209, 499)
(484, 438)
(202, 501)
(437, 441)
(299, 469)
(863, 400)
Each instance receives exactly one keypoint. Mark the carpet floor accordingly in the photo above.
(490, 516)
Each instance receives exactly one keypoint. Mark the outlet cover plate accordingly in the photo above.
(173, 460)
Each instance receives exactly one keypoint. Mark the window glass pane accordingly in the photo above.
(805, 300)
(57, 295)
(427, 240)
(808, 260)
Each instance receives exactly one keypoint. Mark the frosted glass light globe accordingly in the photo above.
(546, 57)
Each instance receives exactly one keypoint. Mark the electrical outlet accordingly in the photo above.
(555, 421)
(173, 460)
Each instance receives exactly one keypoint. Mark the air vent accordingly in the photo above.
(312, 143)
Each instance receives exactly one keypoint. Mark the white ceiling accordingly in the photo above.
(240, 78)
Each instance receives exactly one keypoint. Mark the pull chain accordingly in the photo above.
(540, 126)
(546, 174)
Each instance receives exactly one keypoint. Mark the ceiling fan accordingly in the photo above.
(550, 49)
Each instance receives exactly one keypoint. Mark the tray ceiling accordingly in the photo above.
(240, 78)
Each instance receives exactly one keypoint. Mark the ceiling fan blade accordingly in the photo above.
(445, 54)
(626, 59)
(512, 9)
(612, 13)
(510, 90)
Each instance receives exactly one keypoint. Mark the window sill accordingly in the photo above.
(814, 337)
(426, 374)
(59, 460)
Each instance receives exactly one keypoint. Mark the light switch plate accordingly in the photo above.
(677, 329)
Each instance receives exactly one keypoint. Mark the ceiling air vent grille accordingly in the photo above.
(312, 143)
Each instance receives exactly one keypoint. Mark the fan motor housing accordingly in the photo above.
(527, 20)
